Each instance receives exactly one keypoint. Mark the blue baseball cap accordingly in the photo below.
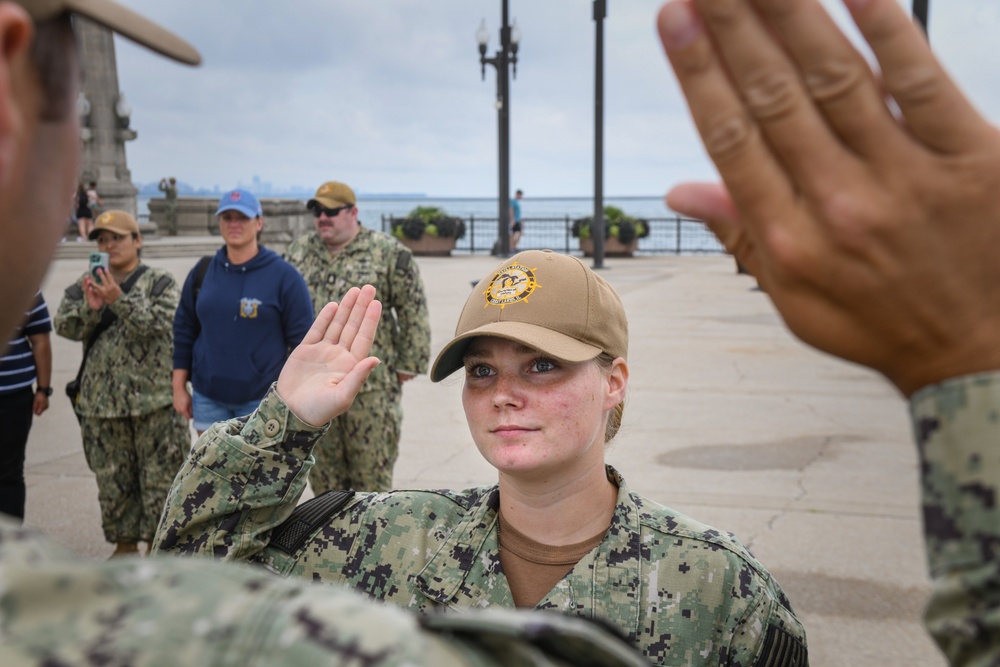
(240, 200)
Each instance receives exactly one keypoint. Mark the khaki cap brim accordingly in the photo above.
(111, 228)
(122, 20)
(556, 345)
(328, 203)
(546, 301)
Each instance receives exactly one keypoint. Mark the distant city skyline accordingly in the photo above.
(257, 186)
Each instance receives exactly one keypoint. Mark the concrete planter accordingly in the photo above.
(612, 247)
(430, 246)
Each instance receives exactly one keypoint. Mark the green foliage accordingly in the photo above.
(430, 220)
(617, 224)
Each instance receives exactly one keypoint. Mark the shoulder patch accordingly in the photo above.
(306, 518)
(74, 292)
(782, 650)
(403, 261)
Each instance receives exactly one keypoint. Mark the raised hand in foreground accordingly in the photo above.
(876, 234)
(326, 371)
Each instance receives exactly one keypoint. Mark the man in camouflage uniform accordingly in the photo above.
(360, 451)
(60, 610)
(134, 440)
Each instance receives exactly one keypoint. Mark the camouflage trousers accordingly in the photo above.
(170, 218)
(135, 460)
(361, 446)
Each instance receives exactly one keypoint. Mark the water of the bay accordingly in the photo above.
(372, 209)
(542, 216)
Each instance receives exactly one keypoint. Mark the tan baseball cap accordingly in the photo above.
(120, 19)
(548, 301)
(118, 222)
(333, 194)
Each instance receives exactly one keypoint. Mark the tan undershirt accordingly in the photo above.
(533, 568)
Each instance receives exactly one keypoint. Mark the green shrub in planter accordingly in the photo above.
(617, 224)
(429, 220)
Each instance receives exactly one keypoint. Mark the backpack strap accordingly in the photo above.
(306, 518)
(107, 318)
(199, 271)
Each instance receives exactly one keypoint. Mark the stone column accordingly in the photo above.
(104, 119)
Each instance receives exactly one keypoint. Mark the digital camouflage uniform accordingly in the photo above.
(360, 450)
(681, 592)
(957, 428)
(56, 609)
(133, 439)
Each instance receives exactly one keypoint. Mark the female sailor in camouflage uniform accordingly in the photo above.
(133, 439)
(543, 342)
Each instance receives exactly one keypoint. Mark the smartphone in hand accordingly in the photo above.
(98, 260)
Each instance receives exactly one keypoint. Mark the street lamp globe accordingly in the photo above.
(483, 36)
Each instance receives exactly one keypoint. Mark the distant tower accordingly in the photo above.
(104, 119)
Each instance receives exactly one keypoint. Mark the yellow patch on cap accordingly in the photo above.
(512, 283)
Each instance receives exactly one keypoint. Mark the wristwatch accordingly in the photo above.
(43, 390)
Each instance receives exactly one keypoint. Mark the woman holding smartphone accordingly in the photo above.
(132, 438)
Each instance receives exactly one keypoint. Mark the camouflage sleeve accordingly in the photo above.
(957, 429)
(74, 318)
(149, 307)
(240, 481)
(293, 253)
(60, 610)
(412, 345)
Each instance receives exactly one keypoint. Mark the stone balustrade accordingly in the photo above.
(284, 219)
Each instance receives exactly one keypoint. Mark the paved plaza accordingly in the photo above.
(807, 459)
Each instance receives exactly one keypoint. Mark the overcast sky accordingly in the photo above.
(386, 95)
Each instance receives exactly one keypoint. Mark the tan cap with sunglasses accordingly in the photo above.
(333, 194)
(550, 302)
(120, 19)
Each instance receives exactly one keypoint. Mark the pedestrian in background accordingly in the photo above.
(169, 190)
(84, 214)
(26, 361)
(240, 314)
(132, 438)
(515, 220)
(361, 450)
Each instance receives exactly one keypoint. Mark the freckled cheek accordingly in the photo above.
(478, 409)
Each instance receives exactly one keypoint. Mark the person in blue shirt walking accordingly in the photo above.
(27, 360)
(233, 331)
(515, 220)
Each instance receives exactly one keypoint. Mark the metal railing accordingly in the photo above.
(669, 235)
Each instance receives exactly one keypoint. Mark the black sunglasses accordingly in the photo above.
(319, 209)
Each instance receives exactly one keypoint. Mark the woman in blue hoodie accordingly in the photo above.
(237, 321)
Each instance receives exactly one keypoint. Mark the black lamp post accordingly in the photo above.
(506, 55)
(920, 8)
(597, 228)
